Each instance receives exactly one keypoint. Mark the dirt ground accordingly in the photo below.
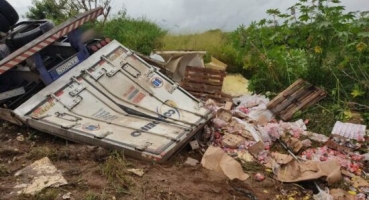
(94, 173)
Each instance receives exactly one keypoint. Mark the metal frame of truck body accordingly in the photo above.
(46, 39)
(50, 75)
(31, 53)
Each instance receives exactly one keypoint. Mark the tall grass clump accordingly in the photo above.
(139, 34)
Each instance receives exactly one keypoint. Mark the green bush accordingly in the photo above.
(317, 41)
(139, 34)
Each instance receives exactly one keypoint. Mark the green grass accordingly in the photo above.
(93, 196)
(115, 170)
(37, 153)
(3, 170)
(209, 41)
(45, 194)
(139, 34)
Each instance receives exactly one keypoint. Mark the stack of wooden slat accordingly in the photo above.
(297, 96)
(204, 83)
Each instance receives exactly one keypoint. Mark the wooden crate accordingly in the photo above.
(204, 83)
(297, 96)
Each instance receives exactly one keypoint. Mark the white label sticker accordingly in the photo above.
(67, 65)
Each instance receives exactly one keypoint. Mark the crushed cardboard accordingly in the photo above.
(248, 130)
(245, 156)
(281, 158)
(358, 182)
(256, 148)
(293, 144)
(339, 194)
(295, 171)
(232, 141)
(217, 160)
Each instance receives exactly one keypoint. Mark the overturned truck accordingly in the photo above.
(107, 97)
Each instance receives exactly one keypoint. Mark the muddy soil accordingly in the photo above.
(94, 173)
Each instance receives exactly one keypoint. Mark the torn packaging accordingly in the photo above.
(339, 194)
(243, 128)
(254, 108)
(232, 141)
(292, 143)
(281, 158)
(216, 159)
(296, 171)
(224, 114)
(223, 117)
(236, 126)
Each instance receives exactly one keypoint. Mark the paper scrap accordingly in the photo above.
(37, 176)
(216, 159)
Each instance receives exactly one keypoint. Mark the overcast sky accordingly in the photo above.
(188, 16)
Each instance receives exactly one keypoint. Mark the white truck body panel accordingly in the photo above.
(116, 100)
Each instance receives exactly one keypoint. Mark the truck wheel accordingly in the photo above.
(8, 12)
(4, 24)
(30, 33)
(4, 51)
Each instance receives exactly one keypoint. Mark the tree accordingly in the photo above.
(58, 10)
(61, 10)
(85, 5)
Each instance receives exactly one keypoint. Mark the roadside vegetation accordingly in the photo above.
(317, 40)
(139, 34)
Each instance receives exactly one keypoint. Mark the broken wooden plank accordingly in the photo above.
(202, 69)
(297, 96)
(201, 88)
(204, 83)
(278, 98)
(290, 99)
(289, 114)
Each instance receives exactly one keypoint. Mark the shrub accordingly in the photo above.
(139, 34)
(318, 41)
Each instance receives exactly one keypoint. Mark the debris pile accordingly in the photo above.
(246, 130)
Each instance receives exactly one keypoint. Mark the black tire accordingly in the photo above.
(33, 31)
(4, 51)
(4, 24)
(8, 12)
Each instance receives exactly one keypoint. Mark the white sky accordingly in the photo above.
(188, 16)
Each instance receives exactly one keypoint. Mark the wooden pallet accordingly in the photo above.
(204, 83)
(297, 96)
